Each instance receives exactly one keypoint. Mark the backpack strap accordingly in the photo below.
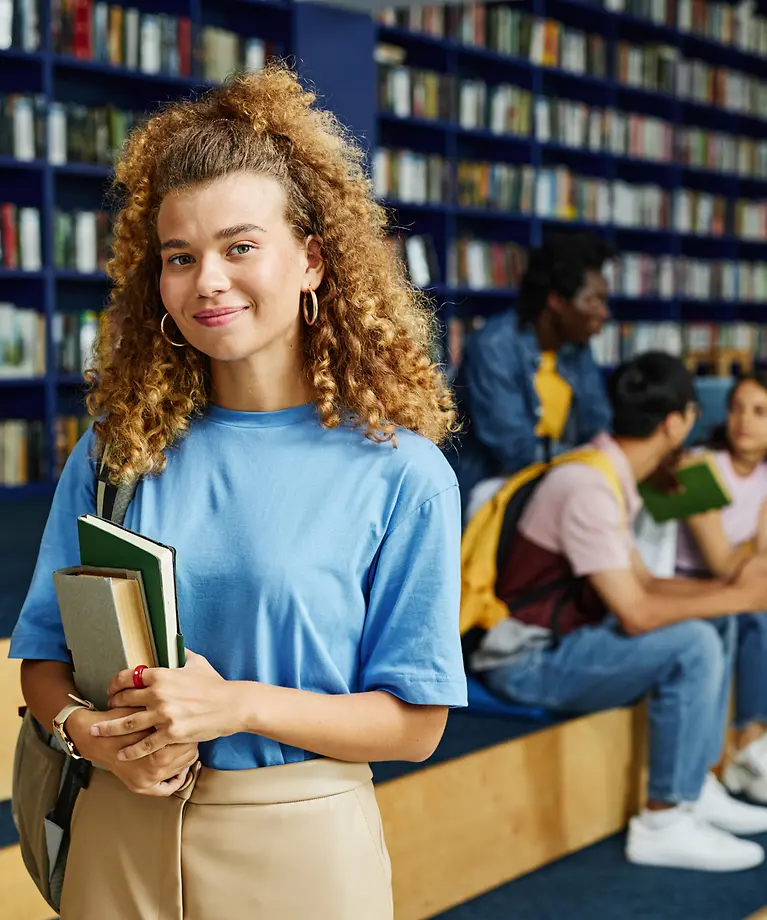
(112, 500)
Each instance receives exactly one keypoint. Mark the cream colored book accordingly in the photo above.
(106, 625)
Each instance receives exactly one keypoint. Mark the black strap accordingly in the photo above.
(112, 501)
(541, 592)
(76, 776)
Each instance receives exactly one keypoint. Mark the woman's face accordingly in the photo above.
(747, 420)
(233, 271)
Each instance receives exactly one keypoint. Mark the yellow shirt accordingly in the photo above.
(555, 395)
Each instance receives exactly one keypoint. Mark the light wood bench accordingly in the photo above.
(465, 826)
(19, 897)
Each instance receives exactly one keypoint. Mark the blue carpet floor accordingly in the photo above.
(598, 884)
(594, 884)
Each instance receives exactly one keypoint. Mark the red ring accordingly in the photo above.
(138, 677)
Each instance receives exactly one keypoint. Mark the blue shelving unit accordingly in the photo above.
(62, 78)
(445, 222)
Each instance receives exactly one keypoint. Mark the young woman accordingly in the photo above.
(718, 543)
(265, 368)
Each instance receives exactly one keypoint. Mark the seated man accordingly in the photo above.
(666, 638)
(528, 385)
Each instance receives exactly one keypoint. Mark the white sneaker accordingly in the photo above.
(747, 773)
(716, 807)
(689, 843)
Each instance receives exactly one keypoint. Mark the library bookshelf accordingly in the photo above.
(63, 60)
(642, 120)
(573, 115)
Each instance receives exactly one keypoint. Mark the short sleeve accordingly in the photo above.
(39, 633)
(594, 536)
(410, 643)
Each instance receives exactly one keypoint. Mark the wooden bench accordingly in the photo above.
(20, 898)
(464, 826)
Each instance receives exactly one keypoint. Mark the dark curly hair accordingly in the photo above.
(559, 266)
(367, 355)
(718, 439)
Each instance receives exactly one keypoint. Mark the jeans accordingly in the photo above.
(685, 669)
(751, 669)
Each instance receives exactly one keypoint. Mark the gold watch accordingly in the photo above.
(59, 728)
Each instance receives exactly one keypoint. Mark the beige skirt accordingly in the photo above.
(292, 842)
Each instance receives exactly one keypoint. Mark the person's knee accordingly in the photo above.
(700, 650)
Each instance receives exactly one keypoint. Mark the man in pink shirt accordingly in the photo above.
(610, 633)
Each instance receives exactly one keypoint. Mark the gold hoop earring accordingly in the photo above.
(315, 307)
(165, 334)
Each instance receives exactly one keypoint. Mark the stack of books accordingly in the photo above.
(119, 607)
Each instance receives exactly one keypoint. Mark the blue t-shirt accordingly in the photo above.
(307, 557)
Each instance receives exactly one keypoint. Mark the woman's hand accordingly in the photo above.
(182, 705)
(162, 774)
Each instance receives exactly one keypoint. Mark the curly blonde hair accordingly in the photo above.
(368, 356)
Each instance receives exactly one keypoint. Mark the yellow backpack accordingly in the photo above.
(488, 535)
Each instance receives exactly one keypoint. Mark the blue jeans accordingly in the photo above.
(685, 668)
(751, 669)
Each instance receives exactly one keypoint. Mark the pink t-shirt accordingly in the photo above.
(739, 519)
(575, 513)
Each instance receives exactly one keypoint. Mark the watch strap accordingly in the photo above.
(60, 719)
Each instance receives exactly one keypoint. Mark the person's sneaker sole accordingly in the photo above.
(672, 861)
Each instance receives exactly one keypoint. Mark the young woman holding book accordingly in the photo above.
(265, 368)
(719, 543)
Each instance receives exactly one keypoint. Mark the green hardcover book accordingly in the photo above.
(701, 489)
(107, 545)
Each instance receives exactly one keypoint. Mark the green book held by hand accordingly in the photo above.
(106, 545)
(700, 488)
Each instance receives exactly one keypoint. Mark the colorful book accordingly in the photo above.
(104, 544)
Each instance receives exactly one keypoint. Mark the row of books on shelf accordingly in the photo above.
(74, 335)
(659, 68)
(124, 36)
(507, 109)
(82, 240)
(151, 42)
(20, 25)
(471, 263)
(20, 241)
(735, 24)
(508, 30)
(639, 274)
(558, 193)
(23, 341)
(33, 128)
(486, 265)
(698, 342)
(23, 457)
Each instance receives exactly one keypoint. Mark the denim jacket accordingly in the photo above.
(500, 407)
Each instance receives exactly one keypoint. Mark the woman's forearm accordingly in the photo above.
(354, 727)
(45, 685)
